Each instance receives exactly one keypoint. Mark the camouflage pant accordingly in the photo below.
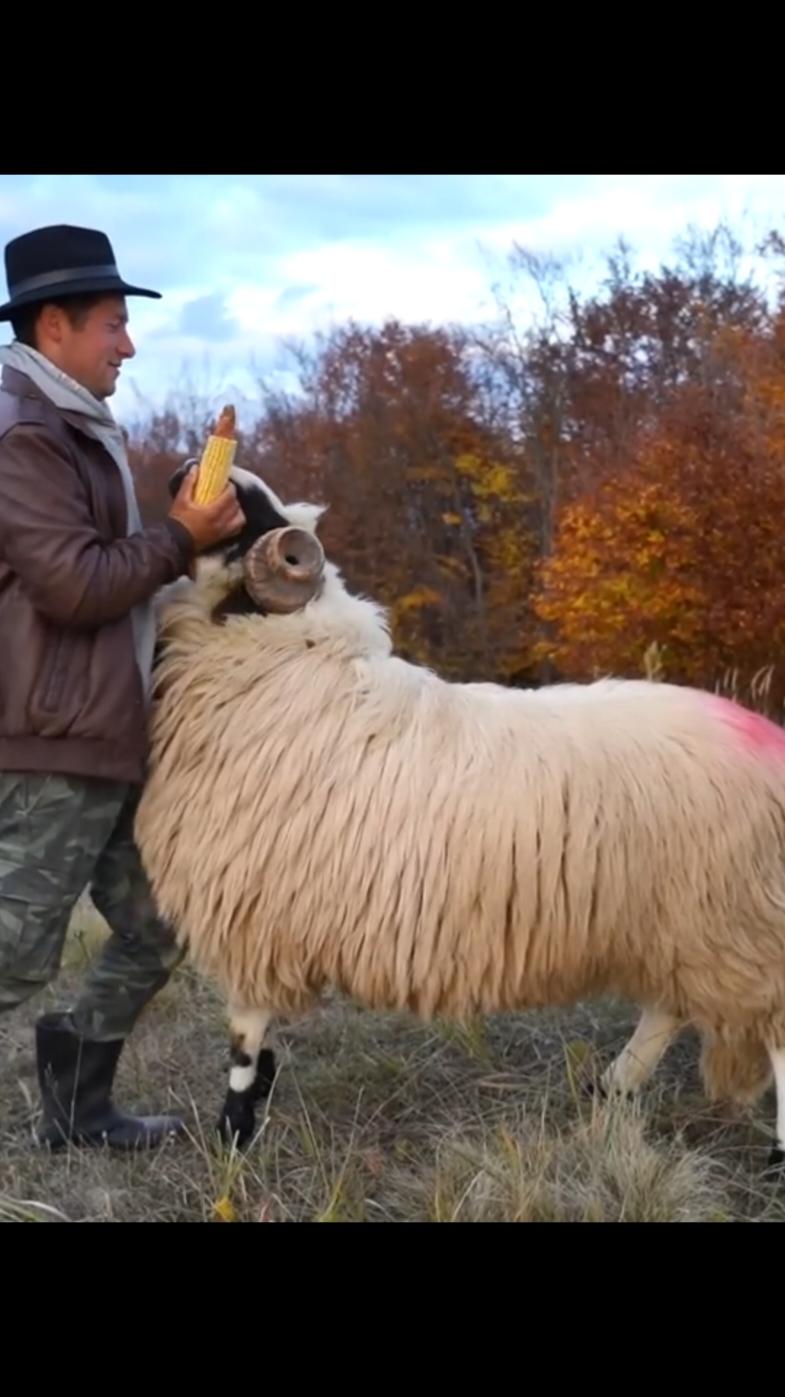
(58, 836)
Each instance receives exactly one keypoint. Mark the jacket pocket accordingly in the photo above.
(53, 678)
(61, 684)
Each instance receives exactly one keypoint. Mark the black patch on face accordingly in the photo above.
(238, 603)
(261, 517)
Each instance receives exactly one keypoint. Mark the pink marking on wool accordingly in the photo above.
(757, 733)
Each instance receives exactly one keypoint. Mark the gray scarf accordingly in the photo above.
(97, 421)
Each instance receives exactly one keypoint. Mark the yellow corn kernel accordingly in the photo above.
(214, 469)
(217, 459)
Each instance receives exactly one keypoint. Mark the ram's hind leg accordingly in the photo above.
(251, 1075)
(640, 1056)
(777, 1158)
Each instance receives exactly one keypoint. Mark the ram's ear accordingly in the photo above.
(305, 516)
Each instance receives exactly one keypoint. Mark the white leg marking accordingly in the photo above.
(242, 1078)
(248, 1030)
(639, 1057)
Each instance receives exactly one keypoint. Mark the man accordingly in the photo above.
(77, 576)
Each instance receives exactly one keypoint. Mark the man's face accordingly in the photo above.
(93, 351)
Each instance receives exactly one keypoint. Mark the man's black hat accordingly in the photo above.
(62, 261)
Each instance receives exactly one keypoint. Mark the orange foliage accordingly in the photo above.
(685, 549)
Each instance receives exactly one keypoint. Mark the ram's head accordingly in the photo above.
(275, 565)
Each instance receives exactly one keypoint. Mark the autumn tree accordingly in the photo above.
(684, 548)
(426, 508)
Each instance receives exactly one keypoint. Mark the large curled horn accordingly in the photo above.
(283, 569)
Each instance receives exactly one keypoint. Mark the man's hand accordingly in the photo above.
(209, 523)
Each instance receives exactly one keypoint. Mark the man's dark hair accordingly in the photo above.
(77, 308)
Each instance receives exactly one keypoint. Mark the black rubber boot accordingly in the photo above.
(75, 1076)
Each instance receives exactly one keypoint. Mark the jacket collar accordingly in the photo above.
(20, 386)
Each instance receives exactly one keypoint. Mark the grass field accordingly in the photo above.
(375, 1118)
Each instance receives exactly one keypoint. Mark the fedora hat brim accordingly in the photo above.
(110, 286)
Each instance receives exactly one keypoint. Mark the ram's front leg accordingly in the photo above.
(251, 1074)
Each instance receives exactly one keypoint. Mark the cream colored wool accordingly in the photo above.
(320, 813)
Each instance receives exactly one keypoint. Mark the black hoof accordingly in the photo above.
(594, 1089)
(237, 1121)
(599, 1092)
(265, 1075)
(775, 1169)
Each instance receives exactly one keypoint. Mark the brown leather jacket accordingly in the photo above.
(71, 698)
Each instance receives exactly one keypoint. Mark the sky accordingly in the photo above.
(245, 262)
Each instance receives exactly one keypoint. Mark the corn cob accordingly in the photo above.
(217, 459)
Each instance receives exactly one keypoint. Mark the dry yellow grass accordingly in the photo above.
(378, 1119)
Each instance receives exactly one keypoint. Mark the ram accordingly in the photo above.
(320, 813)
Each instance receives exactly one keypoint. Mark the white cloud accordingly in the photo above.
(432, 281)
(647, 209)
